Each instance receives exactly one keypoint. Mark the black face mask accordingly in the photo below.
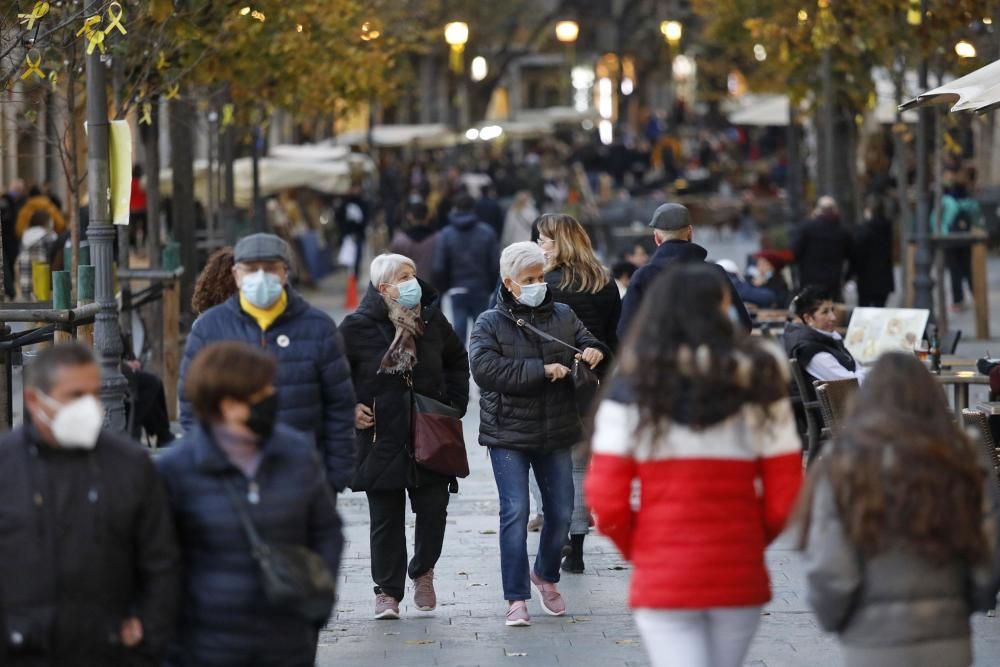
(263, 416)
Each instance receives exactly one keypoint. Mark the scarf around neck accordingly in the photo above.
(401, 356)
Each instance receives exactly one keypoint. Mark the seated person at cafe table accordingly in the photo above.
(815, 343)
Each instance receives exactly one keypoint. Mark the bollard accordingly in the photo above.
(41, 281)
(171, 261)
(84, 296)
(61, 288)
(171, 257)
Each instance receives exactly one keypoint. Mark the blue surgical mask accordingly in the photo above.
(409, 293)
(532, 295)
(262, 289)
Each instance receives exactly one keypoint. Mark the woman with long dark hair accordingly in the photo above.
(899, 526)
(578, 279)
(699, 414)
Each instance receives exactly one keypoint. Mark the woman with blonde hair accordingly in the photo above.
(520, 217)
(578, 279)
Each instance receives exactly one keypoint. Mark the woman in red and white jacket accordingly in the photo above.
(699, 414)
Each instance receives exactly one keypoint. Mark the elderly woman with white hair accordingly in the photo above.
(529, 419)
(398, 343)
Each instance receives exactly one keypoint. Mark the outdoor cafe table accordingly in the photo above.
(960, 382)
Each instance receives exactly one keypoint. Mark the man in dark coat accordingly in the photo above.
(385, 468)
(466, 258)
(314, 381)
(822, 247)
(89, 565)
(10, 205)
(672, 232)
(488, 210)
(872, 261)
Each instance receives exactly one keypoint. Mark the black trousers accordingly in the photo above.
(387, 510)
(959, 261)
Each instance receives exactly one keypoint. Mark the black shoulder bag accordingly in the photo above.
(585, 381)
(294, 578)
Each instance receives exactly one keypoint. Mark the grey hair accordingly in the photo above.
(385, 267)
(41, 372)
(518, 257)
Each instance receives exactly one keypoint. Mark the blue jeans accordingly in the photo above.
(554, 472)
(465, 307)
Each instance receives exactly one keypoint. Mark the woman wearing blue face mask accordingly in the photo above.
(398, 337)
(529, 419)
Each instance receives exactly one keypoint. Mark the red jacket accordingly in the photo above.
(710, 503)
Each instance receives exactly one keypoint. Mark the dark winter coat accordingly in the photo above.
(598, 312)
(313, 383)
(803, 343)
(872, 261)
(467, 255)
(225, 618)
(822, 248)
(418, 243)
(383, 458)
(86, 541)
(490, 212)
(668, 254)
(519, 407)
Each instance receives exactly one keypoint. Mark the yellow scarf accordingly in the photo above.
(265, 316)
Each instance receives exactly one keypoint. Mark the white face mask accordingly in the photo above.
(77, 424)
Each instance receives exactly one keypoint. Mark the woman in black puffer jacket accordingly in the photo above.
(399, 333)
(576, 277)
(529, 419)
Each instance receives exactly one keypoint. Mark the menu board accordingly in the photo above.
(874, 331)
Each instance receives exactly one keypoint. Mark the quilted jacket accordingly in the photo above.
(519, 407)
(313, 383)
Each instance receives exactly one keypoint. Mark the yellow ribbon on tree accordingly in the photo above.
(33, 65)
(54, 79)
(38, 11)
(116, 19)
(913, 14)
(147, 114)
(162, 62)
(95, 40)
(88, 25)
(173, 91)
(227, 115)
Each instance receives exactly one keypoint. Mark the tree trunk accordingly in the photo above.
(182, 208)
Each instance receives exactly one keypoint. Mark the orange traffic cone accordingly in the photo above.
(351, 298)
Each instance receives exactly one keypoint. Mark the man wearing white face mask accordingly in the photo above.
(314, 388)
(89, 565)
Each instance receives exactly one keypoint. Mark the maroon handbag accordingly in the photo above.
(438, 440)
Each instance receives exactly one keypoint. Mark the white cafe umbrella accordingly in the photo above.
(977, 91)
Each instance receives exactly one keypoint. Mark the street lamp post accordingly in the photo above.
(567, 33)
(456, 34)
(101, 234)
(922, 283)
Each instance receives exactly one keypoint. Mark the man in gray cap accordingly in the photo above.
(315, 393)
(672, 232)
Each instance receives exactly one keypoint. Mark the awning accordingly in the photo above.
(432, 135)
(977, 91)
(277, 174)
(772, 110)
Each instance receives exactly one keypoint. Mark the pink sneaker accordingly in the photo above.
(517, 614)
(424, 597)
(552, 601)
(386, 607)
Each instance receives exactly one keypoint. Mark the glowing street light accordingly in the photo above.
(965, 49)
(567, 31)
(672, 31)
(480, 68)
(456, 34)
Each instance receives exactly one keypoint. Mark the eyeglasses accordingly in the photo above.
(542, 240)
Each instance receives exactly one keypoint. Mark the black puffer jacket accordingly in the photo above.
(599, 312)
(382, 454)
(519, 407)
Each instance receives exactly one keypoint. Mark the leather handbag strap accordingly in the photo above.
(256, 544)
(520, 321)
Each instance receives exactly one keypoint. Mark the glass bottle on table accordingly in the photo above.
(935, 351)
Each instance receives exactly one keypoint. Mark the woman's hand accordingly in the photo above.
(556, 372)
(591, 356)
(363, 417)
